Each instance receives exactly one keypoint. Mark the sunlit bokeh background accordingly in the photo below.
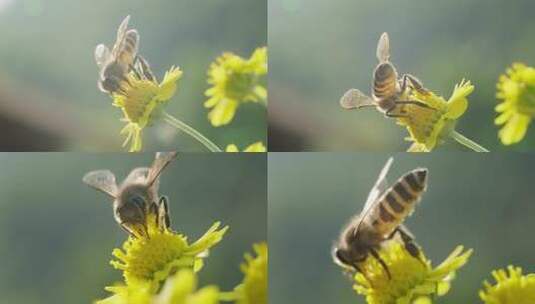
(319, 49)
(57, 234)
(48, 78)
(481, 202)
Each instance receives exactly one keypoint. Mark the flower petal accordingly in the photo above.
(515, 129)
(256, 147)
(457, 108)
(168, 85)
(503, 118)
(223, 112)
(232, 148)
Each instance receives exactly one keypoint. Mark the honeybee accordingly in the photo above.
(137, 196)
(380, 220)
(387, 89)
(114, 65)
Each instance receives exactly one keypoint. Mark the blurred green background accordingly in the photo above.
(484, 202)
(48, 78)
(57, 234)
(319, 49)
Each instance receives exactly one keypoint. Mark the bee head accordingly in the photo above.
(136, 194)
(339, 256)
(346, 258)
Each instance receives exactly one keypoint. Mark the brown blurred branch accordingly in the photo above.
(31, 120)
(295, 126)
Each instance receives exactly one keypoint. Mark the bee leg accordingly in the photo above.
(145, 230)
(415, 83)
(390, 113)
(163, 213)
(410, 245)
(414, 102)
(153, 208)
(144, 68)
(357, 267)
(136, 72)
(375, 254)
(128, 230)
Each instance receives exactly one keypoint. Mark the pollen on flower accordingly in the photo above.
(511, 287)
(139, 102)
(253, 289)
(256, 147)
(235, 80)
(516, 89)
(162, 254)
(429, 127)
(412, 279)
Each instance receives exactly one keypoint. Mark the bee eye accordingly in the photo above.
(340, 256)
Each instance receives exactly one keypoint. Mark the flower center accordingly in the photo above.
(526, 99)
(240, 85)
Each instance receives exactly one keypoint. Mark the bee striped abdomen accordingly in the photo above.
(399, 201)
(131, 42)
(384, 81)
(128, 49)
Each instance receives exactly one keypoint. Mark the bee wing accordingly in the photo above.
(355, 99)
(379, 188)
(125, 50)
(161, 161)
(121, 31)
(383, 48)
(102, 55)
(138, 175)
(102, 180)
(123, 35)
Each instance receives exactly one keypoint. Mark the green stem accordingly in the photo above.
(458, 137)
(182, 126)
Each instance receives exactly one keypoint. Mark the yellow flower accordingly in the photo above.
(429, 128)
(256, 147)
(517, 90)
(139, 293)
(253, 289)
(412, 279)
(155, 258)
(235, 80)
(512, 288)
(139, 101)
(178, 289)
